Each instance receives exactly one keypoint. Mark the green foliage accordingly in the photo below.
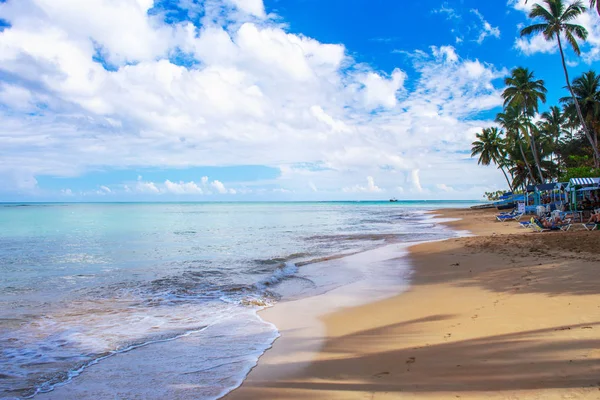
(494, 196)
(556, 148)
(580, 172)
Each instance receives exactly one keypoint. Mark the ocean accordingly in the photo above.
(83, 282)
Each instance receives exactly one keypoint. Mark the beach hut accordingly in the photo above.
(539, 192)
(578, 186)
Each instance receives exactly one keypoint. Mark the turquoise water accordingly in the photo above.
(81, 281)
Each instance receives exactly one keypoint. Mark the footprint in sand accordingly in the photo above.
(381, 374)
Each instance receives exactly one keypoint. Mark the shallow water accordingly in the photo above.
(82, 282)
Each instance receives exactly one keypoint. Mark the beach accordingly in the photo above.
(506, 314)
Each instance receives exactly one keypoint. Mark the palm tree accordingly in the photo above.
(490, 148)
(524, 92)
(556, 22)
(552, 126)
(593, 3)
(587, 92)
(518, 168)
(514, 122)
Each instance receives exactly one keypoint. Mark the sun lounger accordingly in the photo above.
(513, 211)
(565, 226)
(509, 217)
(590, 227)
(539, 227)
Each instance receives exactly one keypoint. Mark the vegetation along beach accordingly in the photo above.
(299, 199)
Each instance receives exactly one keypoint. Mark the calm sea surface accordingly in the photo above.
(82, 282)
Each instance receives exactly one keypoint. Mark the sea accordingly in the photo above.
(83, 282)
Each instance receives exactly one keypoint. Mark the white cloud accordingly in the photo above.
(370, 188)
(258, 95)
(443, 187)
(590, 49)
(415, 180)
(445, 53)
(335, 125)
(146, 187)
(252, 7)
(447, 10)
(380, 91)
(105, 189)
(220, 187)
(182, 187)
(487, 29)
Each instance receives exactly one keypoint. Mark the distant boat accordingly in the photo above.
(393, 200)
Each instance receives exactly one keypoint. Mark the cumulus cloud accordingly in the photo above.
(380, 91)
(182, 187)
(104, 84)
(371, 187)
(220, 187)
(146, 187)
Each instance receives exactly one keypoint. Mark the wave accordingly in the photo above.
(68, 376)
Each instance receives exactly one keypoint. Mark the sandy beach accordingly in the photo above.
(507, 314)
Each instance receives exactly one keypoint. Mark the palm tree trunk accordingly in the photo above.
(525, 160)
(579, 114)
(506, 177)
(536, 158)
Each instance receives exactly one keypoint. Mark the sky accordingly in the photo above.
(252, 100)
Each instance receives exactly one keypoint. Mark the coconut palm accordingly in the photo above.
(552, 127)
(587, 92)
(593, 4)
(524, 92)
(518, 167)
(514, 122)
(556, 22)
(490, 148)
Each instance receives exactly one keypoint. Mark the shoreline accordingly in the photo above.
(473, 323)
(344, 280)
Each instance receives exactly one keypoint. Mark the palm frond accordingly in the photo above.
(536, 28)
(573, 42)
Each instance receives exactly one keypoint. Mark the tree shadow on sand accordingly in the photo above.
(516, 361)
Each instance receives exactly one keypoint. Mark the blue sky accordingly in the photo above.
(250, 100)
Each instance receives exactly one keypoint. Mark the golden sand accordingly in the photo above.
(508, 314)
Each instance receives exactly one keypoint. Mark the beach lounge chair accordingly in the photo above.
(565, 226)
(525, 224)
(509, 217)
(590, 227)
(537, 226)
(513, 211)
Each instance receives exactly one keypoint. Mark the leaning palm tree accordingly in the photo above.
(515, 124)
(524, 92)
(490, 149)
(587, 92)
(556, 22)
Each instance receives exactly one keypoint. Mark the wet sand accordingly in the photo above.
(507, 314)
